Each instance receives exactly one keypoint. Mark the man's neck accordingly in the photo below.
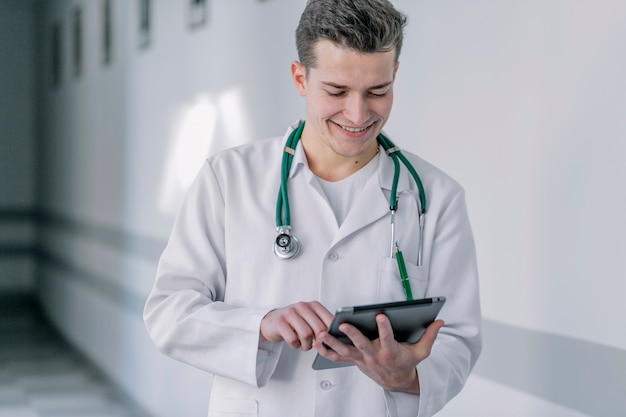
(330, 166)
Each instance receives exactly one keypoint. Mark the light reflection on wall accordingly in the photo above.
(233, 118)
(204, 127)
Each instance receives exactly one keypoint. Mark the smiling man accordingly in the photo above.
(223, 301)
(348, 100)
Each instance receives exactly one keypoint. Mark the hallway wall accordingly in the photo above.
(520, 101)
(17, 136)
(122, 137)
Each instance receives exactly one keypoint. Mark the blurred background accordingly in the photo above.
(108, 107)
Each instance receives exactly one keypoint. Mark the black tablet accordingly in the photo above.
(409, 320)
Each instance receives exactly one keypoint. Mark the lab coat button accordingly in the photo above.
(334, 257)
(326, 385)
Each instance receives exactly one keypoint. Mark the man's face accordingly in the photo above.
(349, 96)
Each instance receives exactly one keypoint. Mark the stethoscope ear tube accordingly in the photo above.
(394, 153)
(283, 215)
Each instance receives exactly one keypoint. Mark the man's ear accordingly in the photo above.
(298, 74)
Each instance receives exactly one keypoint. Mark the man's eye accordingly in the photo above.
(376, 94)
(335, 94)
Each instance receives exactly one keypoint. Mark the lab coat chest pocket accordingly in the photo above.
(230, 407)
(389, 284)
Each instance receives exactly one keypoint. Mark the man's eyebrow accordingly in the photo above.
(343, 87)
(334, 85)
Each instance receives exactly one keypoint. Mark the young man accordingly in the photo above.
(223, 301)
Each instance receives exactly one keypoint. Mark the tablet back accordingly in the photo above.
(409, 320)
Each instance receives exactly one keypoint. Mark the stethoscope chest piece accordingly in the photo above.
(286, 246)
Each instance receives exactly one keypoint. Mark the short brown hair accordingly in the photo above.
(362, 25)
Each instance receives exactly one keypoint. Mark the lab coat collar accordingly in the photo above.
(386, 170)
(385, 167)
(372, 203)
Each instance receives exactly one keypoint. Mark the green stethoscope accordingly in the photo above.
(286, 246)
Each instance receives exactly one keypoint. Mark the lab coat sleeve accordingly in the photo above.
(185, 314)
(453, 274)
(401, 404)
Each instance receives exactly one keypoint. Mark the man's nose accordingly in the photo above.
(357, 111)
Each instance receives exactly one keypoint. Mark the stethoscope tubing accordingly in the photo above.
(395, 153)
(283, 215)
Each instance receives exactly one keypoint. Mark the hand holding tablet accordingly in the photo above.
(408, 319)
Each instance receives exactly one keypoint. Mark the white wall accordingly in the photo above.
(524, 105)
(520, 101)
(523, 102)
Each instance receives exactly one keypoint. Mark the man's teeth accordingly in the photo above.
(354, 129)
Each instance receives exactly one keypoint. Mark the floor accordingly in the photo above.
(43, 376)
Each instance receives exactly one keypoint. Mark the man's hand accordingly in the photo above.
(387, 362)
(297, 324)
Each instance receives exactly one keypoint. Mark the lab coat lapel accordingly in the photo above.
(386, 171)
(373, 202)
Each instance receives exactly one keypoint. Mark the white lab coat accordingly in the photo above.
(218, 277)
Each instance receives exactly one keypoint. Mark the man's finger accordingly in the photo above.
(385, 331)
(427, 340)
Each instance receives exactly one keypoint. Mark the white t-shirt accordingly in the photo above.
(341, 194)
